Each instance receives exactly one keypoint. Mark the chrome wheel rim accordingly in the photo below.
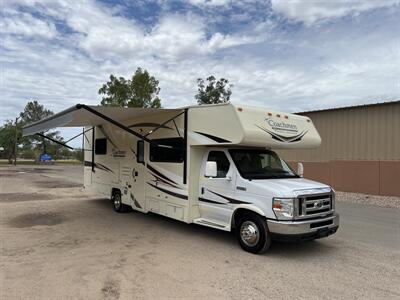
(249, 233)
(117, 201)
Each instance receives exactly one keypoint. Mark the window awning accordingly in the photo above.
(84, 115)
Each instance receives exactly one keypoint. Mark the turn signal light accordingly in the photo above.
(277, 206)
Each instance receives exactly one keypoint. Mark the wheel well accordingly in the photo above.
(237, 214)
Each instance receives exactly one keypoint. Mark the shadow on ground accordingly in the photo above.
(296, 250)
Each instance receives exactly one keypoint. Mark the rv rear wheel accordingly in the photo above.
(117, 202)
(253, 234)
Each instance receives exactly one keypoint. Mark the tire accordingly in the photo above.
(118, 206)
(253, 234)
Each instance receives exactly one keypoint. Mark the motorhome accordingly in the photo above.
(212, 165)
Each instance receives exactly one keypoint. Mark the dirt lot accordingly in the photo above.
(58, 242)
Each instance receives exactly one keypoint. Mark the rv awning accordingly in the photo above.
(84, 115)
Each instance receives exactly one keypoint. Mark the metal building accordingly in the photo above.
(360, 150)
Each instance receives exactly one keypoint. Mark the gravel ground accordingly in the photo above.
(381, 201)
(58, 242)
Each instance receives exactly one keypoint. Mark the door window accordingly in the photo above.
(222, 162)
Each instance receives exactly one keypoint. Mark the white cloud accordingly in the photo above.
(24, 24)
(103, 34)
(318, 66)
(180, 36)
(209, 2)
(310, 11)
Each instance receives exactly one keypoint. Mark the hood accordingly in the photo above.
(287, 187)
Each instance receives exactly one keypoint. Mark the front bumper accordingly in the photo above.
(304, 229)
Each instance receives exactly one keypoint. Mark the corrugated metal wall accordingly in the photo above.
(358, 133)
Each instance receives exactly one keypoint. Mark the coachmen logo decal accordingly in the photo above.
(280, 126)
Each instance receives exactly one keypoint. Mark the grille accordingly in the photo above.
(315, 205)
(321, 224)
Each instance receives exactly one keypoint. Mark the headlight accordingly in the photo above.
(283, 208)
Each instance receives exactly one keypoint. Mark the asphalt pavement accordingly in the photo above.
(369, 224)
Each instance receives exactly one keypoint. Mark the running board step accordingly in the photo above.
(211, 223)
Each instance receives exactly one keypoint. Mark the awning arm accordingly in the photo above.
(176, 127)
(164, 123)
(185, 140)
(108, 119)
(78, 135)
(65, 143)
(54, 141)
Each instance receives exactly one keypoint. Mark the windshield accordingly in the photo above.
(261, 164)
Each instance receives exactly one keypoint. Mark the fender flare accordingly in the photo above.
(249, 207)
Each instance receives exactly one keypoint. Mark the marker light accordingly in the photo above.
(276, 205)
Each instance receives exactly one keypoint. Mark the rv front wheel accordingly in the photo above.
(253, 234)
(117, 202)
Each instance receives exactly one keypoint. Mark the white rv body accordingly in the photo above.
(171, 180)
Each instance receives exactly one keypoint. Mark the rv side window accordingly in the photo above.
(140, 152)
(167, 150)
(100, 146)
(222, 162)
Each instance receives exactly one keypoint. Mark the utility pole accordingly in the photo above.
(16, 141)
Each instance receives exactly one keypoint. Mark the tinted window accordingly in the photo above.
(260, 164)
(167, 150)
(222, 162)
(100, 146)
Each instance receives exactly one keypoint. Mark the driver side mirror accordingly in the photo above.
(211, 169)
(300, 169)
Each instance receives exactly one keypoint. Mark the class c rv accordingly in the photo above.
(212, 165)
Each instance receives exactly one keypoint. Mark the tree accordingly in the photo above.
(30, 146)
(7, 138)
(213, 91)
(33, 112)
(140, 91)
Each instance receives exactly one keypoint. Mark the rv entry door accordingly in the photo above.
(137, 187)
(137, 193)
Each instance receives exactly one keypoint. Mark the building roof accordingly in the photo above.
(349, 107)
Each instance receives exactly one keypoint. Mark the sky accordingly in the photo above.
(287, 55)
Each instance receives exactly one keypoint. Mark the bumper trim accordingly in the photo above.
(320, 233)
(304, 227)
